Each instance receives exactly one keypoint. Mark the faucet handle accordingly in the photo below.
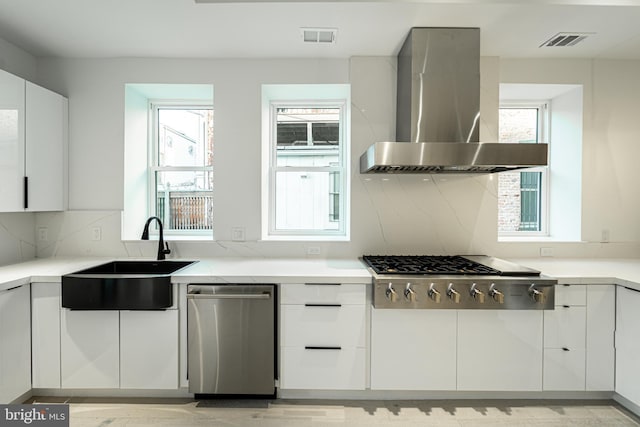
(166, 249)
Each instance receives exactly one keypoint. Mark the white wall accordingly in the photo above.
(390, 213)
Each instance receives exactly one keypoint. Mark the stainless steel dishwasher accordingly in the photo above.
(231, 339)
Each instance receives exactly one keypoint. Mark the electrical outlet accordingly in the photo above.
(238, 234)
(96, 233)
(605, 236)
(43, 234)
(546, 251)
(313, 250)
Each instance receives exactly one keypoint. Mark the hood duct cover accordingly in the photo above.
(438, 112)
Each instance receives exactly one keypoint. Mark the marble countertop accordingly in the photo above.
(218, 270)
(619, 271)
(260, 270)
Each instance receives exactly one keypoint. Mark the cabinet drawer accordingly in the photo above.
(564, 370)
(317, 369)
(323, 325)
(565, 327)
(571, 295)
(322, 293)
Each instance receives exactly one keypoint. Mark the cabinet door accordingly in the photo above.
(601, 325)
(89, 349)
(46, 148)
(628, 344)
(413, 349)
(149, 349)
(500, 350)
(15, 343)
(45, 335)
(12, 119)
(323, 368)
(565, 327)
(564, 369)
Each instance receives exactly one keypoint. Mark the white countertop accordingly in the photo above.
(260, 270)
(218, 270)
(619, 271)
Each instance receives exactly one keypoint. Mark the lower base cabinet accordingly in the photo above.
(323, 368)
(413, 349)
(89, 349)
(106, 349)
(149, 349)
(500, 350)
(628, 344)
(15, 343)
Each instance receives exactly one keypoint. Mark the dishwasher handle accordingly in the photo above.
(229, 296)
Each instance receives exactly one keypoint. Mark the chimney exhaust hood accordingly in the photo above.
(438, 112)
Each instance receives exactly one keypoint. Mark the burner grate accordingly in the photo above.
(427, 264)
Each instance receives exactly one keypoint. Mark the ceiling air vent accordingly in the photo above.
(565, 39)
(319, 35)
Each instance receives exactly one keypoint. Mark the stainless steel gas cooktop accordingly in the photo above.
(457, 282)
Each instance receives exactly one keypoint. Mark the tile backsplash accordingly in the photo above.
(17, 237)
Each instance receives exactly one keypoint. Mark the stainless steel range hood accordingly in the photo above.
(438, 112)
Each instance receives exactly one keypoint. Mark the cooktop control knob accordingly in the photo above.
(477, 294)
(434, 294)
(409, 293)
(453, 294)
(391, 293)
(496, 294)
(536, 295)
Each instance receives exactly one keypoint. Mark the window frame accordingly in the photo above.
(543, 132)
(153, 151)
(342, 233)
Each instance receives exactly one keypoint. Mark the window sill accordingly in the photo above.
(176, 238)
(306, 239)
(534, 239)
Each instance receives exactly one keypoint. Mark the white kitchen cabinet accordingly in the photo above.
(33, 146)
(564, 347)
(149, 349)
(323, 325)
(413, 349)
(89, 349)
(323, 368)
(627, 344)
(12, 120)
(15, 343)
(578, 339)
(46, 149)
(500, 350)
(600, 347)
(322, 336)
(45, 335)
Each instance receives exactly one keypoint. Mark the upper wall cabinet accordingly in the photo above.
(33, 147)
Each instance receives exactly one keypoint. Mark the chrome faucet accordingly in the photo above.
(163, 247)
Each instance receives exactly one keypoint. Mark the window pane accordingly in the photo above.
(519, 193)
(307, 201)
(530, 201)
(518, 125)
(308, 136)
(185, 200)
(185, 137)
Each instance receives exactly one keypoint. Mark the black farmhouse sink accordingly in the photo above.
(121, 285)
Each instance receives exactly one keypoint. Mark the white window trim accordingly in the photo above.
(544, 131)
(331, 235)
(152, 162)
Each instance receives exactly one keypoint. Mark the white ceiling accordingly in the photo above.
(182, 28)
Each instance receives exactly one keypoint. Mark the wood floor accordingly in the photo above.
(97, 412)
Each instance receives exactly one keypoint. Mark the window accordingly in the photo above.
(180, 170)
(522, 196)
(305, 162)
